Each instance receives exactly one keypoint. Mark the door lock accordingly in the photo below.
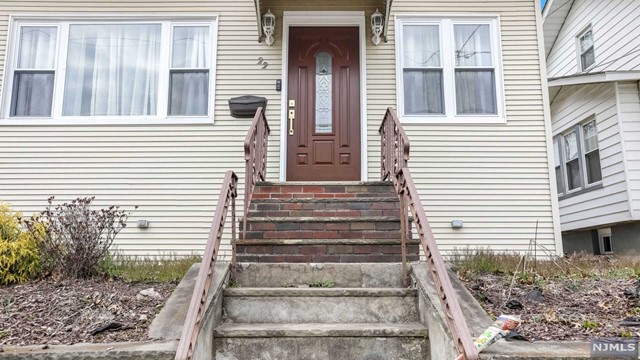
(292, 115)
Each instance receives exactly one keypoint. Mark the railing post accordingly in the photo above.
(404, 220)
(234, 266)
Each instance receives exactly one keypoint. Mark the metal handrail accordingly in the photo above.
(198, 304)
(255, 157)
(395, 155)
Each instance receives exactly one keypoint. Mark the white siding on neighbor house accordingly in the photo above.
(494, 177)
(609, 204)
(629, 103)
(616, 33)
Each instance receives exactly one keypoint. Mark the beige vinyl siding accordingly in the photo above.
(629, 103)
(574, 105)
(616, 34)
(494, 177)
(173, 172)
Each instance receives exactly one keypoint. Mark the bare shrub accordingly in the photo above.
(78, 238)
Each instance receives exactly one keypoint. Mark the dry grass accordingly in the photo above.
(477, 262)
(148, 270)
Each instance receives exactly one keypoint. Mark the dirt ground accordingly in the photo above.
(52, 312)
(562, 309)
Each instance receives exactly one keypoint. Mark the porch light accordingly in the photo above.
(377, 24)
(268, 26)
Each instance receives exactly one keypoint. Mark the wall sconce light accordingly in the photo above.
(268, 26)
(377, 24)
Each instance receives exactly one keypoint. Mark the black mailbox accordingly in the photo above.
(246, 106)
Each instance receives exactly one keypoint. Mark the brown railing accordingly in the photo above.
(197, 307)
(395, 154)
(255, 157)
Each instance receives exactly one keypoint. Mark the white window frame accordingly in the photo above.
(447, 48)
(579, 48)
(63, 22)
(577, 129)
(602, 233)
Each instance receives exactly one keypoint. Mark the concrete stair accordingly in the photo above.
(324, 222)
(274, 314)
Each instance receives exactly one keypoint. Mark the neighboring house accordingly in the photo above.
(593, 62)
(127, 100)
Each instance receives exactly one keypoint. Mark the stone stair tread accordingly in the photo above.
(319, 292)
(325, 200)
(245, 330)
(324, 241)
(305, 219)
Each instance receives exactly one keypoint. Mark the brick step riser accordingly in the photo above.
(268, 226)
(324, 249)
(319, 208)
(324, 234)
(325, 189)
(344, 258)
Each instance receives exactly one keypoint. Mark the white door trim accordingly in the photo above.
(323, 18)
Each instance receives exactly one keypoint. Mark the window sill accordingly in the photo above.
(452, 120)
(107, 121)
(581, 191)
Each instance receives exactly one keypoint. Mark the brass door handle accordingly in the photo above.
(292, 115)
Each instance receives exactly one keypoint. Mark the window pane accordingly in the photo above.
(421, 46)
(37, 47)
(112, 70)
(324, 109)
(476, 92)
(570, 146)
(587, 59)
(594, 173)
(189, 93)
(473, 45)
(191, 47)
(590, 137)
(556, 152)
(32, 94)
(573, 174)
(423, 92)
(559, 180)
(586, 41)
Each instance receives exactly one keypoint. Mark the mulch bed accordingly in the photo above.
(52, 312)
(568, 309)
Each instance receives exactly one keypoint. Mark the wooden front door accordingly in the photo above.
(323, 123)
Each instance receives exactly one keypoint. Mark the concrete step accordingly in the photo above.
(357, 275)
(320, 305)
(321, 342)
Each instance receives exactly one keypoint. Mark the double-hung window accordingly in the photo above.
(577, 158)
(586, 51)
(449, 70)
(110, 71)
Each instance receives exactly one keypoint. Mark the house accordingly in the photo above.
(127, 100)
(593, 64)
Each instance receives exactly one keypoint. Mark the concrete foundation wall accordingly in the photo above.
(625, 240)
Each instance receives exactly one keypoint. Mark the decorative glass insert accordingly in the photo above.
(324, 108)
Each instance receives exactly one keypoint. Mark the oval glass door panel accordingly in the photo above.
(324, 110)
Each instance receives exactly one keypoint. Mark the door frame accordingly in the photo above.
(328, 19)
